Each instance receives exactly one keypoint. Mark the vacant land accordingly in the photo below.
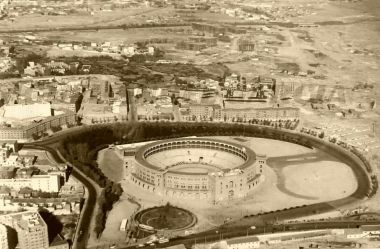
(319, 179)
(111, 165)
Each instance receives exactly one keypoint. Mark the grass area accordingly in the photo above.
(111, 165)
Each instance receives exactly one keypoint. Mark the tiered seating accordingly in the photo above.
(193, 155)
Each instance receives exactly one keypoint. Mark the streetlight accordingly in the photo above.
(220, 235)
(252, 227)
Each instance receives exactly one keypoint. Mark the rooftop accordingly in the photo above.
(370, 228)
(27, 111)
(241, 240)
(24, 220)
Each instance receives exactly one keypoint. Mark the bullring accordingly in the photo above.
(196, 168)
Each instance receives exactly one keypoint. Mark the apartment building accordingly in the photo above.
(32, 231)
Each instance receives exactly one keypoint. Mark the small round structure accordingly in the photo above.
(165, 217)
(197, 168)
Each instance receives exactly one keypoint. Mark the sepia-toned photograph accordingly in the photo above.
(189, 124)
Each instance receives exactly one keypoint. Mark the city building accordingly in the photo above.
(32, 231)
(196, 95)
(210, 28)
(103, 113)
(281, 113)
(189, 45)
(205, 112)
(27, 111)
(217, 113)
(209, 41)
(45, 183)
(37, 128)
(246, 45)
(370, 230)
(243, 243)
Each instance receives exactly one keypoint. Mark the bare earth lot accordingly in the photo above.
(111, 165)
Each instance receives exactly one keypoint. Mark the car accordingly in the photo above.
(140, 245)
(80, 235)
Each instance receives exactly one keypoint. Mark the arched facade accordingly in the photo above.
(226, 170)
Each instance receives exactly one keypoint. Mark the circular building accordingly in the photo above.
(196, 168)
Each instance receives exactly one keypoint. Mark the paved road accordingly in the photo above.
(88, 209)
(226, 233)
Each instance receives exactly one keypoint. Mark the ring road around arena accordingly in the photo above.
(195, 168)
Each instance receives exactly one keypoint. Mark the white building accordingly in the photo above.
(129, 51)
(370, 230)
(137, 91)
(12, 161)
(32, 231)
(4, 154)
(156, 92)
(45, 183)
(6, 148)
(243, 243)
(353, 233)
(151, 50)
(27, 111)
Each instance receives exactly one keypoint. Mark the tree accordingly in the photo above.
(321, 135)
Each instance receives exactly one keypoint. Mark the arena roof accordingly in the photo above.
(251, 156)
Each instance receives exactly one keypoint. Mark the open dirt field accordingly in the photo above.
(111, 234)
(111, 165)
(319, 180)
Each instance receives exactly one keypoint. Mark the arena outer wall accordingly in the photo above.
(215, 186)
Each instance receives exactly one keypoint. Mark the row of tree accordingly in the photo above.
(82, 151)
(77, 146)
(362, 158)
(110, 195)
(375, 186)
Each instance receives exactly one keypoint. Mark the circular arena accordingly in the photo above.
(199, 168)
(165, 217)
